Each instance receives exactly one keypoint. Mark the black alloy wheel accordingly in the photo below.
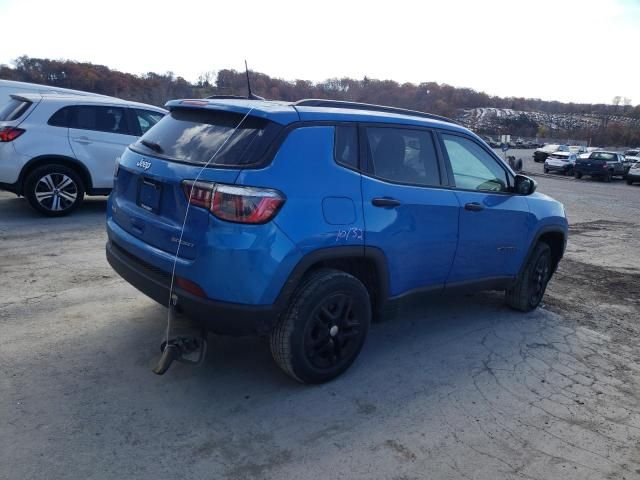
(331, 337)
(540, 275)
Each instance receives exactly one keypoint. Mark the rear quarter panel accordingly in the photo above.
(40, 138)
(323, 207)
(324, 202)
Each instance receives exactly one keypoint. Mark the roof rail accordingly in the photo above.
(312, 102)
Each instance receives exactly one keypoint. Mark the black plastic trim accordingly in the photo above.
(335, 253)
(477, 285)
(536, 238)
(99, 191)
(218, 317)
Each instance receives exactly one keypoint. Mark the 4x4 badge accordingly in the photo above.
(143, 164)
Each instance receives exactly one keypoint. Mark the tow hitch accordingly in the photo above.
(189, 348)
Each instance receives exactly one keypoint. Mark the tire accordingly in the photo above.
(54, 190)
(569, 172)
(546, 170)
(531, 284)
(607, 177)
(629, 181)
(324, 327)
(577, 175)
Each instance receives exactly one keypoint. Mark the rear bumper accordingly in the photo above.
(558, 168)
(219, 317)
(594, 171)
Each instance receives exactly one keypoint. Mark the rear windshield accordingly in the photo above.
(559, 155)
(602, 156)
(194, 136)
(13, 110)
(632, 153)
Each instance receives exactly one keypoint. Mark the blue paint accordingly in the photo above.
(428, 240)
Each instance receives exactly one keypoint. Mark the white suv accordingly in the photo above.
(54, 148)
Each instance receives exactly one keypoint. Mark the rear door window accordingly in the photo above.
(13, 109)
(403, 155)
(196, 135)
(99, 118)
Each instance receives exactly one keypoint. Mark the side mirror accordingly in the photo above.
(525, 185)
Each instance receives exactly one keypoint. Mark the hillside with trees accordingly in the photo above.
(617, 123)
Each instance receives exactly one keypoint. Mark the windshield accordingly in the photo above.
(631, 153)
(194, 136)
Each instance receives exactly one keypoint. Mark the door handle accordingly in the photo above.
(82, 140)
(473, 206)
(385, 202)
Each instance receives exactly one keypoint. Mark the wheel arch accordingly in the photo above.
(554, 236)
(42, 160)
(367, 264)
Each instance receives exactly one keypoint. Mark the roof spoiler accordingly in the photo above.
(17, 96)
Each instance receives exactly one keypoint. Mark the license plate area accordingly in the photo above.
(149, 194)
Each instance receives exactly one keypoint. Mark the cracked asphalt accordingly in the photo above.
(454, 387)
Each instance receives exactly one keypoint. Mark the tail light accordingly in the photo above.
(8, 134)
(235, 203)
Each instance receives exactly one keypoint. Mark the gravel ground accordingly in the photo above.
(456, 387)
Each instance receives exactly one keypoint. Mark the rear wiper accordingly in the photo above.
(152, 145)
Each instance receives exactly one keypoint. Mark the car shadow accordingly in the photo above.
(18, 208)
(97, 385)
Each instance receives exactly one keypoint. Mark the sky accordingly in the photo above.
(566, 50)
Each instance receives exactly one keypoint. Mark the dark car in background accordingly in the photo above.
(601, 164)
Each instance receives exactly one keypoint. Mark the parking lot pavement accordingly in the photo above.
(457, 387)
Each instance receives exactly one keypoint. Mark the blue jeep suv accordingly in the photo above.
(304, 220)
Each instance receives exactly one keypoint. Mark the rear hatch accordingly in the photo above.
(150, 194)
(557, 159)
(12, 114)
(596, 160)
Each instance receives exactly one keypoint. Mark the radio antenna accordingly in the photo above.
(250, 94)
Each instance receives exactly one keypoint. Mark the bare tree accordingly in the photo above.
(616, 101)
